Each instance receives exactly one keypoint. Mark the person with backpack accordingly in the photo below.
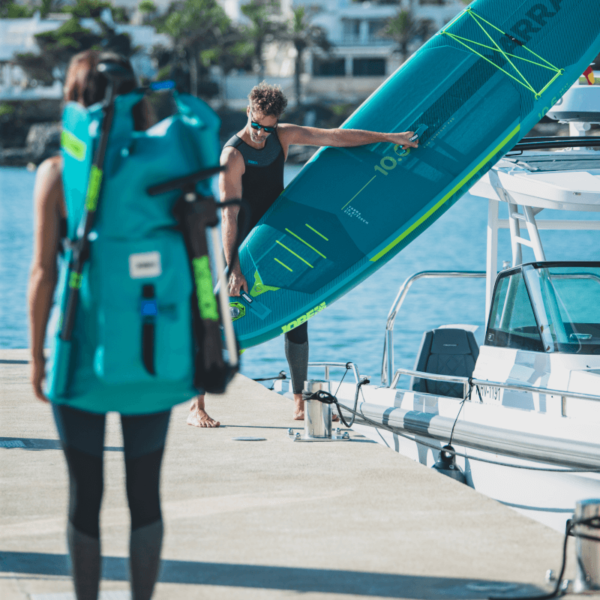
(129, 332)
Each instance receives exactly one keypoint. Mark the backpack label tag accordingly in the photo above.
(144, 265)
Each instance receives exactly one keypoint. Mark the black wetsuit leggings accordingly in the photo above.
(296, 352)
(82, 437)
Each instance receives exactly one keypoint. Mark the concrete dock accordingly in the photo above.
(262, 519)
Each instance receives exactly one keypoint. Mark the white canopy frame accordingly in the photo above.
(513, 223)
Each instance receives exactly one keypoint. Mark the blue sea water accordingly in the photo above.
(352, 329)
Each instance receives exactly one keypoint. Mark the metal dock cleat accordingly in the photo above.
(318, 417)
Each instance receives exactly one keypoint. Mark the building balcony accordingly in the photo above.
(340, 89)
(358, 40)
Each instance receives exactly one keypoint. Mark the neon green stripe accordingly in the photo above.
(502, 51)
(72, 145)
(460, 15)
(537, 64)
(93, 191)
(277, 260)
(75, 280)
(313, 229)
(477, 18)
(550, 83)
(357, 193)
(466, 178)
(207, 303)
(526, 84)
(298, 237)
(296, 255)
(474, 14)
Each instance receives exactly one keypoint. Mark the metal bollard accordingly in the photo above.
(588, 551)
(317, 416)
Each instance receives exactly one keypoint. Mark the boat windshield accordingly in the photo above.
(547, 307)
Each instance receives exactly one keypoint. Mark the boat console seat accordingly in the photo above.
(445, 352)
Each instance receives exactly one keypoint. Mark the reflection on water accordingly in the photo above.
(353, 327)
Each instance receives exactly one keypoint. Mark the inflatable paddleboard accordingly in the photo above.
(471, 93)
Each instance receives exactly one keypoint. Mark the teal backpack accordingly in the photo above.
(132, 347)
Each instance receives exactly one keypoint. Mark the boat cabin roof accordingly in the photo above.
(554, 180)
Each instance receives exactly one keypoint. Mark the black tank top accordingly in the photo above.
(262, 181)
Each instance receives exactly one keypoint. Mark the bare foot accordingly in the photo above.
(198, 416)
(298, 407)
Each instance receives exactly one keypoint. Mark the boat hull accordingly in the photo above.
(546, 497)
(538, 463)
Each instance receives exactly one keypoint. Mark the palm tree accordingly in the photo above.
(58, 46)
(401, 28)
(148, 10)
(13, 10)
(303, 34)
(196, 28)
(50, 6)
(263, 28)
(234, 53)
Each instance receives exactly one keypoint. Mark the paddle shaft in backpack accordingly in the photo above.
(196, 214)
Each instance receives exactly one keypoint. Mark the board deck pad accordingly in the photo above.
(471, 92)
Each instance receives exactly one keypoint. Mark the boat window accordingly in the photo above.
(571, 299)
(512, 320)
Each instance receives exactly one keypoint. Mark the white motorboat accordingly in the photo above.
(522, 410)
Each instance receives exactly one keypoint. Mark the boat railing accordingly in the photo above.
(545, 143)
(464, 381)
(467, 382)
(350, 366)
(387, 365)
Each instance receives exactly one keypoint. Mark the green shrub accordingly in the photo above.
(6, 110)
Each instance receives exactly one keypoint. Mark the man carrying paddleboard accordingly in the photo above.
(254, 159)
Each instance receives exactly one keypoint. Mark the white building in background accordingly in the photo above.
(361, 59)
(18, 36)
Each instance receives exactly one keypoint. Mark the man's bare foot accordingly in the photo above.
(298, 407)
(198, 416)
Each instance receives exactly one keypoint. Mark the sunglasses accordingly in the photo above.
(258, 127)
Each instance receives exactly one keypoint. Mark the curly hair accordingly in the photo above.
(267, 99)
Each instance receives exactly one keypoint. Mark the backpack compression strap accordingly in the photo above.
(195, 214)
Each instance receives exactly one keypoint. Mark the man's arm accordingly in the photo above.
(313, 136)
(230, 188)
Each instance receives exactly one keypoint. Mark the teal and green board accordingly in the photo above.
(472, 91)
